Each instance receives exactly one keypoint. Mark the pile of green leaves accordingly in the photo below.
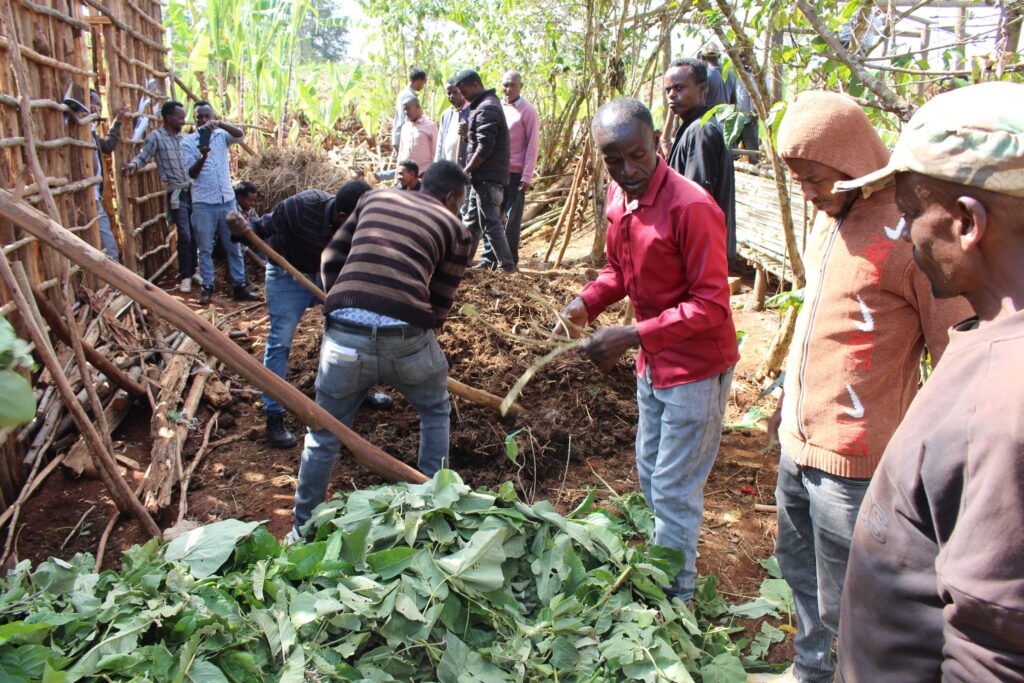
(430, 582)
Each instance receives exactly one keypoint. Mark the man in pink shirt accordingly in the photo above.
(666, 252)
(419, 136)
(524, 142)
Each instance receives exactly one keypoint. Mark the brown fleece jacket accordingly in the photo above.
(868, 311)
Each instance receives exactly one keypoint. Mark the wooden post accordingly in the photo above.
(129, 245)
(760, 286)
(209, 337)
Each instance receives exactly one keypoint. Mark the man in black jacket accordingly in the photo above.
(487, 150)
(699, 150)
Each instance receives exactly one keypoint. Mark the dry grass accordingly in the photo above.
(280, 172)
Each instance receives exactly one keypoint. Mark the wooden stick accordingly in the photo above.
(98, 360)
(484, 398)
(210, 338)
(758, 507)
(115, 484)
(194, 465)
(25, 114)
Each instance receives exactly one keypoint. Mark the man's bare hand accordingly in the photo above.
(463, 129)
(127, 169)
(575, 314)
(237, 223)
(525, 186)
(607, 345)
(121, 113)
(774, 422)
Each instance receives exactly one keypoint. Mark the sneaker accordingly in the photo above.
(484, 264)
(243, 293)
(377, 399)
(197, 278)
(186, 285)
(206, 295)
(786, 676)
(291, 537)
(277, 434)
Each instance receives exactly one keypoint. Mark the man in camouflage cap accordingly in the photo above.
(935, 585)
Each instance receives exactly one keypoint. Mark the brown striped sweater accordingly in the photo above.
(400, 254)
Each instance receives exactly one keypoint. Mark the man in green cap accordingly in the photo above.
(935, 584)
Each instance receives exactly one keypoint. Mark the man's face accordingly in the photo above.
(455, 96)
(203, 116)
(176, 119)
(413, 111)
(247, 202)
(511, 85)
(95, 105)
(816, 181)
(469, 90)
(629, 151)
(418, 85)
(933, 228)
(683, 92)
(406, 177)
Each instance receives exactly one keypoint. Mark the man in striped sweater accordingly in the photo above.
(391, 272)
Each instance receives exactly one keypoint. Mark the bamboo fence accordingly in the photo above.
(51, 50)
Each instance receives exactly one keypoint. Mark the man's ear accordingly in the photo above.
(657, 137)
(972, 221)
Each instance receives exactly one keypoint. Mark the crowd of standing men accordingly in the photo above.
(900, 509)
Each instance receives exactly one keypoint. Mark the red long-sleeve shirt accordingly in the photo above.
(666, 251)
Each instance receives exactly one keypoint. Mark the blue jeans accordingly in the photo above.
(107, 241)
(209, 220)
(182, 219)
(484, 218)
(351, 363)
(817, 512)
(287, 300)
(677, 441)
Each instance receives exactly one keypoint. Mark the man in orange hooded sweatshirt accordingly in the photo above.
(854, 364)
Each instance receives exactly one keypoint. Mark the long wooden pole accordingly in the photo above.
(209, 337)
(456, 387)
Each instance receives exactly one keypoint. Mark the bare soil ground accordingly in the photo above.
(579, 435)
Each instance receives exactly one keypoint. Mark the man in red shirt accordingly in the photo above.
(667, 253)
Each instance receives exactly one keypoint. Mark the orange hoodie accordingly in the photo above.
(853, 366)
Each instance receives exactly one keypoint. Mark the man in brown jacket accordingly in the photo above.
(854, 364)
(935, 589)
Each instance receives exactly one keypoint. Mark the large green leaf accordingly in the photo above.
(205, 549)
(17, 402)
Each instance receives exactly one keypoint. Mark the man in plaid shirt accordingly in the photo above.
(165, 145)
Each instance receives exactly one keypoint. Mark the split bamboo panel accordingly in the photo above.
(759, 235)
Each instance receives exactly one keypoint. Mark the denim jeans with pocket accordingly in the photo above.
(677, 440)
(817, 512)
(484, 218)
(287, 300)
(512, 205)
(351, 363)
(210, 220)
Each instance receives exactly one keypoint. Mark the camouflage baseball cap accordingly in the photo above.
(969, 136)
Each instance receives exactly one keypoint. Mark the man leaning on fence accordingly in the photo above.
(165, 145)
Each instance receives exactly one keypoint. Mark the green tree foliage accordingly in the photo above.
(17, 402)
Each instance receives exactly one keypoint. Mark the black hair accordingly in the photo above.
(409, 100)
(348, 196)
(244, 187)
(468, 76)
(201, 103)
(417, 74)
(698, 68)
(169, 107)
(622, 110)
(450, 83)
(444, 177)
(410, 165)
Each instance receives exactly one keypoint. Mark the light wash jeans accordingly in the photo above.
(817, 512)
(287, 300)
(677, 441)
(350, 364)
(107, 241)
(209, 220)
